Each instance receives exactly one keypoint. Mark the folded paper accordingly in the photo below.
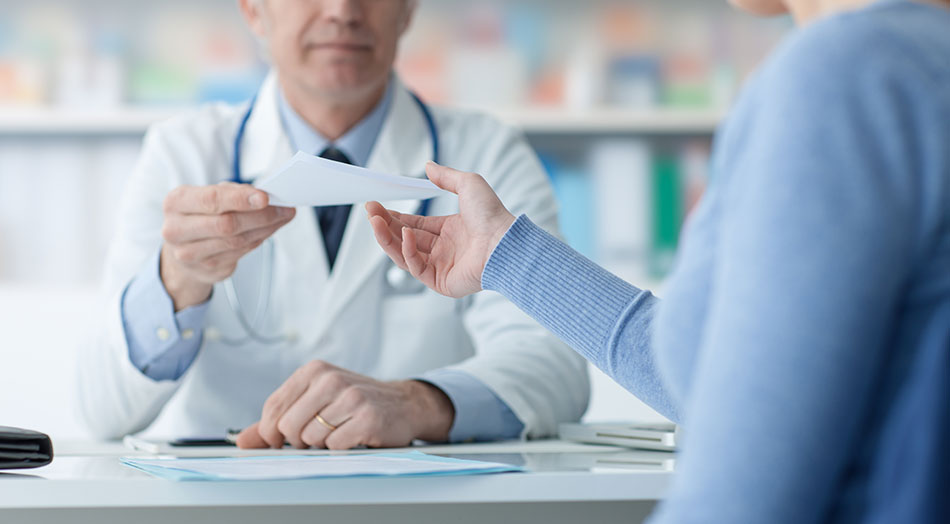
(308, 180)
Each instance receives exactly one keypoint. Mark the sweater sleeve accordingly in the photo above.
(602, 317)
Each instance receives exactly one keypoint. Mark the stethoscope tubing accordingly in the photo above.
(266, 284)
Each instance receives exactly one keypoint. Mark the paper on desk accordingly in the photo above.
(409, 464)
(308, 180)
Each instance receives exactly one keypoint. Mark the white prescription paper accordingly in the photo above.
(411, 463)
(308, 180)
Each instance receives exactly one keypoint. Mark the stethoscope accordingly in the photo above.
(399, 281)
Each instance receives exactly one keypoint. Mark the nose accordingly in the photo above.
(343, 12)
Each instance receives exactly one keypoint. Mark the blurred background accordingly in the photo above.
(619, 98)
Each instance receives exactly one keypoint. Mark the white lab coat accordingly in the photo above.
(351, 318)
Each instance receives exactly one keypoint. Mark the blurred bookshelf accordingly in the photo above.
(533, 121)
(604, 120)
(41, 122)
(618, 98)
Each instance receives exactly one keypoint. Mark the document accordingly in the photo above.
(308, 180)
(408, 464)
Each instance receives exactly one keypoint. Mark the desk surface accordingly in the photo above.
(89, 475)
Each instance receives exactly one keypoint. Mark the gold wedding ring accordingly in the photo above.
(323, 421)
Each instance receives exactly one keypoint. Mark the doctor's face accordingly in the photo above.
(335, 48)
(761, 7)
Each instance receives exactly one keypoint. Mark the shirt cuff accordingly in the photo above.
(162, 343)
(479, 414)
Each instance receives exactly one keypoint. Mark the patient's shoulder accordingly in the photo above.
(894, 41)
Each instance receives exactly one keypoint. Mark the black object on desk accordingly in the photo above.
(22, 449)
(199, 442)
(230, 439)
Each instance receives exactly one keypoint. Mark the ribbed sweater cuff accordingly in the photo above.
(564, 291)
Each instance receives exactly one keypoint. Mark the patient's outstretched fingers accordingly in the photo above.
(383, 234)
(394, 223)
(376, 209)
(430, 224)
(387, 240)
(414, 259)
(425, 241)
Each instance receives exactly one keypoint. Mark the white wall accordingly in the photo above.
(39, 331)
(58, 203)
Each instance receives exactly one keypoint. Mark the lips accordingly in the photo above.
(342, 46)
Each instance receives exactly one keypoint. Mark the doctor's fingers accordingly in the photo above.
(349, 434)
(249, 438)
(338, 414)
(212, 200)
(212, 253)
(334, 396)
(319, 374)
(180, 228)
(355, 424)
(222, 265)
(370, 428)
(355, 432)
(292, 423)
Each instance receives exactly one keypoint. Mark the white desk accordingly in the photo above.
(565, 483)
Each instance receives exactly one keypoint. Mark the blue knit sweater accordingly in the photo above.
(804, 340)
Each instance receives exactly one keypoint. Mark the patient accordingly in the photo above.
(805, 333)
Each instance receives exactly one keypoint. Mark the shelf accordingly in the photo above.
(33, 122)
(535, 121)
(554, 121)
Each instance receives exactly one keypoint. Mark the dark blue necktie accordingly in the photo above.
(332, 219)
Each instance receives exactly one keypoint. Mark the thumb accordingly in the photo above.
(251, 438)
(444, 177)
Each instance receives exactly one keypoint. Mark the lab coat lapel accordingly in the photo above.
(403, 147)
(265, 145)
(299, 253)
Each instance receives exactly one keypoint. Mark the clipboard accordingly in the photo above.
(659, 436)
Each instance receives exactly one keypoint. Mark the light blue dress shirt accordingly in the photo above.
(163, 344)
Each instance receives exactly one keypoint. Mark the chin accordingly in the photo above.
(761, 7)
(343, 84)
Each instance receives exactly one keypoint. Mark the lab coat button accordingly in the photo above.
(163, 334)
(212, 334)
(188, 334)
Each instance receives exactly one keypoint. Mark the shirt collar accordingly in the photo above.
(357, 143)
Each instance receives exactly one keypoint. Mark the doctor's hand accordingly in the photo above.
(207, 229)
(324, 406)
(449, 253)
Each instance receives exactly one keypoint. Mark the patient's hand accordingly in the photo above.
(447, 254)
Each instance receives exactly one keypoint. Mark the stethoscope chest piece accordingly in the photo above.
(401, 282)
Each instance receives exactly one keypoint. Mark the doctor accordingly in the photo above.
(222, 311)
